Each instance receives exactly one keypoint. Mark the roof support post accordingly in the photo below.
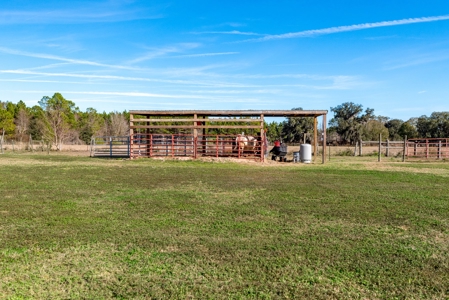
(315, 139)
(324, 139)
(195, 135)
(262, 139)
(131, 136)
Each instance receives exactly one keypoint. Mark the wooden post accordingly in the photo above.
(195, 136)
(12, 141)
(404, 148)
(355, 148)
(131, 136)
(31, 144)
(380, 146)
(324, 140)
(1, 140)
(315, 138)
(110, 146)
(360, 147)
(204, 140)
(439, 149)
(388, 148)
(262, 139)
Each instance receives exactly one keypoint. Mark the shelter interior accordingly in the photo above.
(219, 133)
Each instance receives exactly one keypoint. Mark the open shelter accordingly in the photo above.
(185, 132)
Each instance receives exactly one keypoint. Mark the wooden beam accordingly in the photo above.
(236, 113)
(196, 120)
(196, 127)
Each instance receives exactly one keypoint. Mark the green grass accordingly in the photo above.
(74, 227)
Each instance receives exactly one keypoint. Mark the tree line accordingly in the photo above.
(57, 120)
(351, 123)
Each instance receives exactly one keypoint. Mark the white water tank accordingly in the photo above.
(305, 151)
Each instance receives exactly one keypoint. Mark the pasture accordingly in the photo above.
(78, 227)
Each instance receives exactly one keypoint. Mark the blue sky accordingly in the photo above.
(116, 55)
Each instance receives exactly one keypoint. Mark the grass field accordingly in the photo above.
(77, 227)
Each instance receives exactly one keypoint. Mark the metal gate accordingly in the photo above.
(110, 146)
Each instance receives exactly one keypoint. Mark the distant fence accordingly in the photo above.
(387, 147)
(110, 146)
(431, 148)
(15, 145)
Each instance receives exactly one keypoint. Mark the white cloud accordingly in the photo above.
(59, 58)
(92, 12)
(418, 60)
(206, 54)
(232, 32)
(158, 52)
(331, 30)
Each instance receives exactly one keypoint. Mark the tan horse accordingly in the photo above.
(246, 144)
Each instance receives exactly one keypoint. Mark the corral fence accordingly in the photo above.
(430, 148)
(387, 147)
(110, 146)
(424, 148)
(174, 145)
(187, 145)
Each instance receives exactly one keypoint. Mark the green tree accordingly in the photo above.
(349, 119)
(88, 124)
(294, 128)
(57, 120)
(393, 129)
(274, 131)
(408, 129)
(435, 126)
(370, 131)
(7, 117)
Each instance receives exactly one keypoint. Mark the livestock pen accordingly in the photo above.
(188, 132)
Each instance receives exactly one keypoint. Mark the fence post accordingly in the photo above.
(405, 147)
(360, 147)
(439, 149)
(31, 143)
(1, 140)
(91, 146)
(110, 146)
(380, 147)
(129, 146)
(12, 141)
(387, 153)
(355, 148)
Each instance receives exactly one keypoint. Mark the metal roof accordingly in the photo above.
(232, 113)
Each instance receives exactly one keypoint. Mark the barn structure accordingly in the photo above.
(196, 133)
